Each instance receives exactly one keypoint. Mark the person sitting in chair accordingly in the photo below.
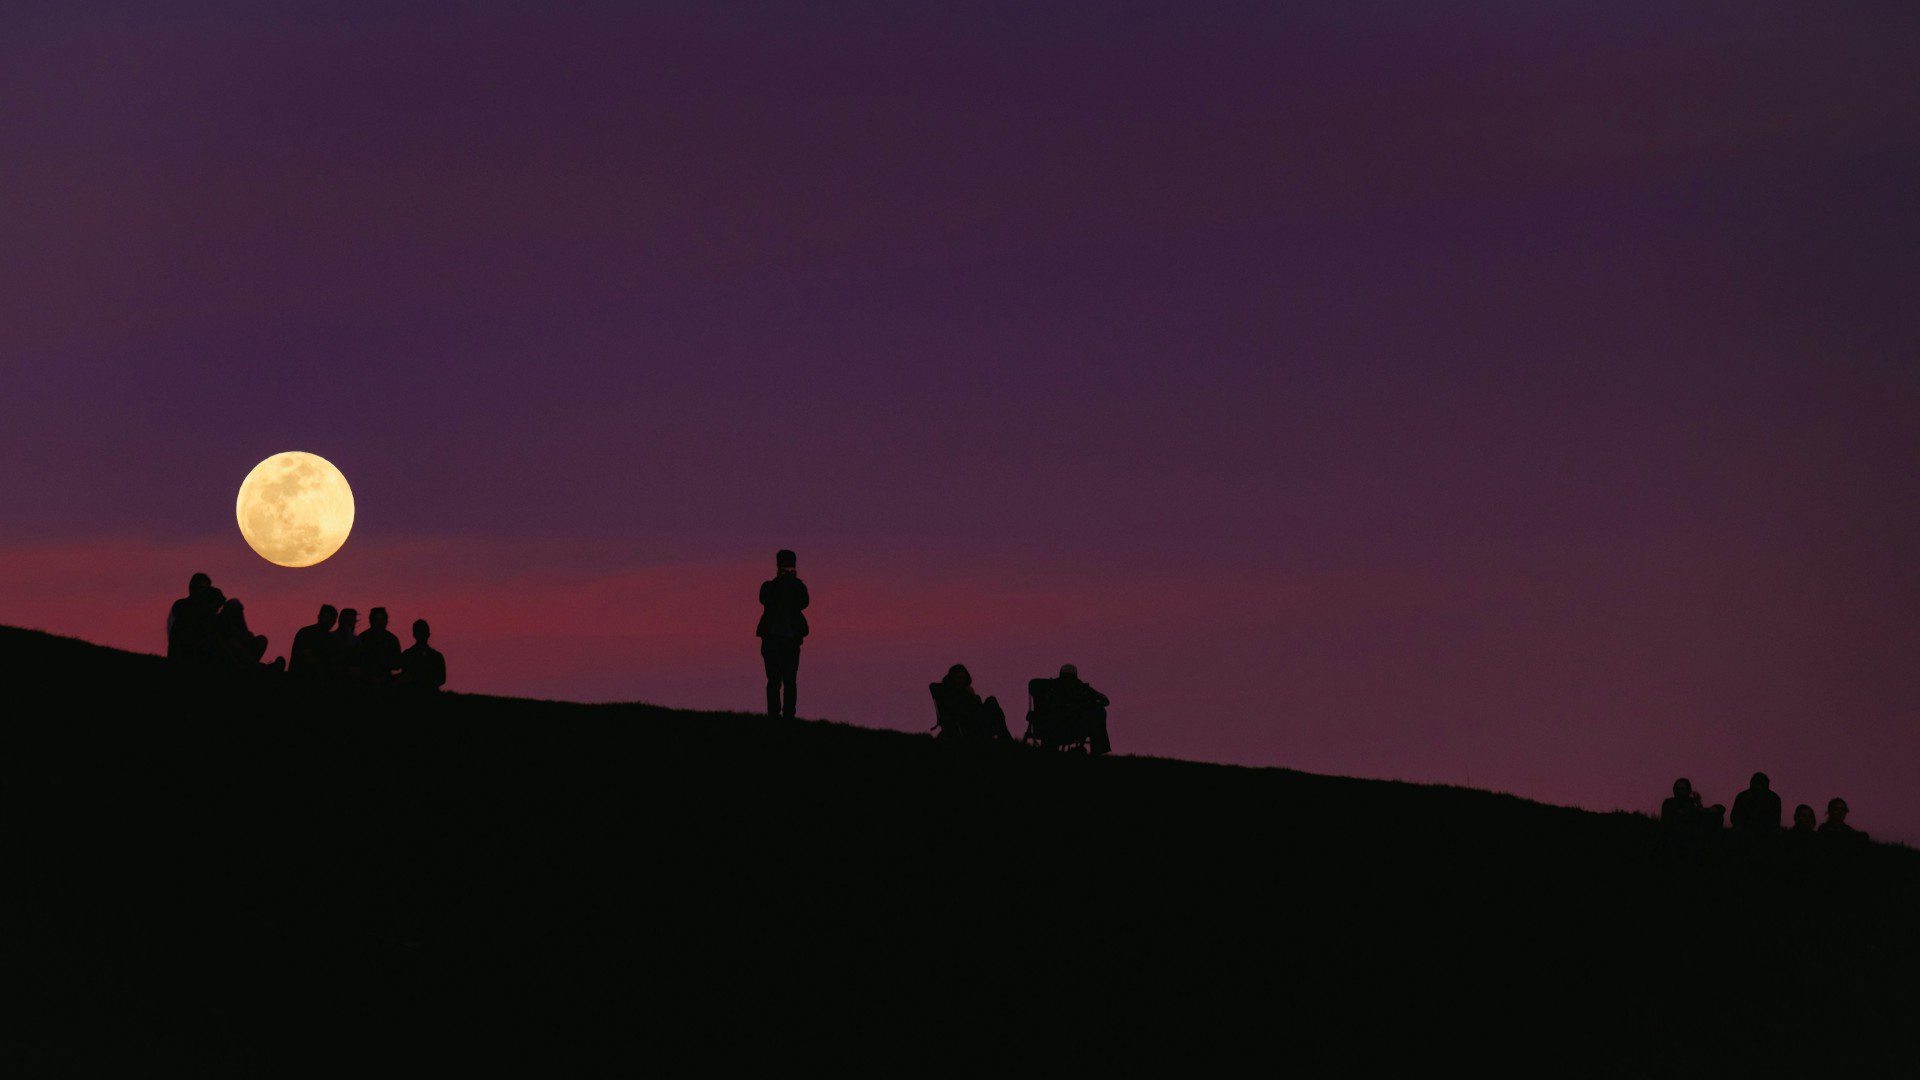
(1067, 712)
(960, 714)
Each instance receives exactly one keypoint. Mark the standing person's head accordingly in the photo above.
(1803, 820)
(198, 582)
(1069, 671)
(328, 616)
(1837, 811)
(1683, 788)
(377, 618)
(784, 562)
(1759, 782)
(421, 631)
(349, 618)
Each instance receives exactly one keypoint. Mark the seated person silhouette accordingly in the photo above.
(191, 636)
(1676, 813)
(1682, 814)
(1067, 713)
(244, 648)
(341, 654)
(1803, 820)
(312, 652)
(1836, 824)
(1756, 811)
(377, 652)
(960, 714)
(421, 666)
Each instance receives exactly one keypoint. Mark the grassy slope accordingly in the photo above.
(260, 880)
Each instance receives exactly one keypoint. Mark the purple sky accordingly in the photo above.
(1520, 393)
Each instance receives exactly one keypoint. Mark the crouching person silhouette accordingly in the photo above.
(421, 666)
(959, 713)
(782, 629)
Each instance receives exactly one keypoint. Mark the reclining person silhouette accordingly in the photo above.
(1067, 713)
(1836, 825)
(191, 636)
(312, 652)
(960, 714)
(782, 629)
(377, 652)
(243, 647)
(1756, 811)
(421, 666)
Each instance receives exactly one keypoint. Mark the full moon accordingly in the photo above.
(295, 509)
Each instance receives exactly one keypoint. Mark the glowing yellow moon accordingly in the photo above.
(295, 509)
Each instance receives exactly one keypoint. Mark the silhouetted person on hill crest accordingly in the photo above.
(1067, 713)
(1756, 811)
(421, 666)
(377, 652)
(342, 641)
(243, 647)
(312, 650)
(1682, 814)
(782, 629)
(959, 713)
(190, 623)
(1803, 820)
(1836, 824)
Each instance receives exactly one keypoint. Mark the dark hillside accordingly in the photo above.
(261, 880)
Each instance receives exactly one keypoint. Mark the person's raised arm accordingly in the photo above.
(803, 594)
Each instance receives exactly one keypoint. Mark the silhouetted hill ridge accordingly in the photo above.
(256, 876)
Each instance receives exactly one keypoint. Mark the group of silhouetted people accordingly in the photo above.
(206, 629)
(1064, 712)
(1756, 812)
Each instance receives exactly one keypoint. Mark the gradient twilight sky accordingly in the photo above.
(1522, 394)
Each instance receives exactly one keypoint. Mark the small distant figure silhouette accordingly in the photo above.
(421, 666)
(1682, 814)
(959, 713)
(1836, 824)
(781, 631)
(377, 651)
(1756, 811)
(191, 636)
(1803, 820)
(312, 646)
(1067, 713)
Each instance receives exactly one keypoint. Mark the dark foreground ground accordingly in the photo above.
(264, 881)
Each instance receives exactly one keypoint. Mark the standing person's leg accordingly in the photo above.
(770, 657)
(791, 678)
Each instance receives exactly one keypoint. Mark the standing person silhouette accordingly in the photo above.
(782, 629)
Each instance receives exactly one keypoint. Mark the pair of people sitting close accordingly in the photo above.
(1064, 712)
(331, 648)
(1756, 812)
(207, 629)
